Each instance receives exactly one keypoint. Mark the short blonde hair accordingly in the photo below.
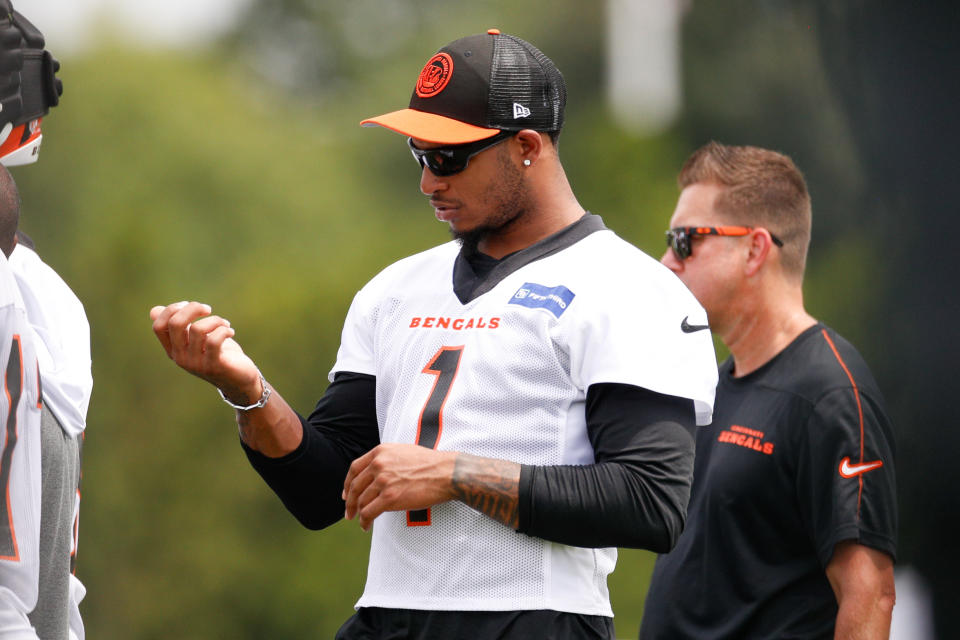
(761, 188)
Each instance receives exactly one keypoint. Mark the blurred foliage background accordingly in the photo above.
(235, 173)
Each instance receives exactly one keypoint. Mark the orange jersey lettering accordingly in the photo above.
(457, 324)
(739, 436)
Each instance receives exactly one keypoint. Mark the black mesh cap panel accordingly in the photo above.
(522, 78)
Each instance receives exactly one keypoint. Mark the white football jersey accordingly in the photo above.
(19, 464)
(60, 333)
(506, 376)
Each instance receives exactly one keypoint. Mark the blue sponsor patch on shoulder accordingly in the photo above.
(536, 296)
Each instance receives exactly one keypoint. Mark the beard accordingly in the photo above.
(509, 201)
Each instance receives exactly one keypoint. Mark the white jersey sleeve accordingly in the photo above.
(19, 465)
(356, 353)
(628, 325)
(62, 338)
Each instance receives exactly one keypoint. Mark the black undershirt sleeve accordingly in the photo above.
(342, 427)
(636, 493)
(634, 496)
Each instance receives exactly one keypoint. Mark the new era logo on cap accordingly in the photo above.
(520, 111)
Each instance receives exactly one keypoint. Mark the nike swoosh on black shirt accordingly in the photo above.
(686, 327)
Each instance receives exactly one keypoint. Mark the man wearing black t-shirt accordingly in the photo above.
(792, 519)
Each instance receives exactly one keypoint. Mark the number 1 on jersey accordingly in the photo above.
(443, 365)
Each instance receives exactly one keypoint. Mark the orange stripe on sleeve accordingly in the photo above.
(856, 394)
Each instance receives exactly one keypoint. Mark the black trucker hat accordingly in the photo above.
(477, 86)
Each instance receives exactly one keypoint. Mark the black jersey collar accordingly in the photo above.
(474, 276)
(727, 367)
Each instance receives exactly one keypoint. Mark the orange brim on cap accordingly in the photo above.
(430, 127)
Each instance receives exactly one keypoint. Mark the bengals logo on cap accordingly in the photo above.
(435, 75)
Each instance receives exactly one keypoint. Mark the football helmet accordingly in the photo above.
(28, 87)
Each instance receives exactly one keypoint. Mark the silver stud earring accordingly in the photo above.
(526, 162)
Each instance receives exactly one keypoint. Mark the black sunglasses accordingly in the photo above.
(678, 238)
(446, 161)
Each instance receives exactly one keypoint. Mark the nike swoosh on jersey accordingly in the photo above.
(686, 327)
(848, 470)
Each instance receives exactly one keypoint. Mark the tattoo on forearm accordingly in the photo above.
(243, 422)
(492, 487)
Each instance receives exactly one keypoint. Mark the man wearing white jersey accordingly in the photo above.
(61, 335)
(506, 408)
(58, 332)
(28, 88)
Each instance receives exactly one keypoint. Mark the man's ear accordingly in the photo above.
(760, 246)
(530, 145)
